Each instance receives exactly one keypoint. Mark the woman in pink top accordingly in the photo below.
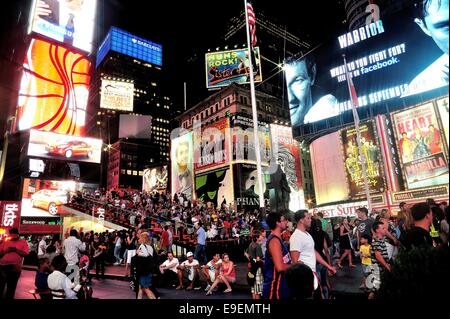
(227, 275)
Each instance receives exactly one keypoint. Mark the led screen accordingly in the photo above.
(215, 186)
(54, 90)
(128, 44)
(64, 147)
(391, 60)
(182, 165)
(226, 67)
(117, 95)
(421, 146)
(67, 21)
(155, 179)
(135, 126)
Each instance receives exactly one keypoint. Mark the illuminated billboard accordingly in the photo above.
(135, 126)
(442, 105)
(246, 189)
(64, 147)
(44, 198)
(214, 143)
(123, 42)
(226, 67)
(182, 165)
(70, 22)
(9, 217)
(155, 179)
(54, 89)
(117, 95)
(215, 186)
(330, 180)
(421, 147)
(287, 152)
(353, 167)
(390, 61)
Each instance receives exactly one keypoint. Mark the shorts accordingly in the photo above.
(145, 281)
(130, 254)
(366, 270)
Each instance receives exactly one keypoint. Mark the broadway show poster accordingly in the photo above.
(155, 179)
(243, 140)
(215, 187)
(212, 145)
(182, 165)
(353, 166)
(287, 154)
(442, 105)
(420, 144)
(246, 189)
(226, 67)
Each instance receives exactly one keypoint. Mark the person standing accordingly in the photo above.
(255, 258)
(12, 253)
(365, 224)
(277, 260)
(419, 234)
(72, 248)
(164, 241)
(42, 247)
(379, 256)
(345, 244)
(201, 243)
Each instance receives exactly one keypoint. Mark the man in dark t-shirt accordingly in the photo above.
(419, 235)
(365, 223)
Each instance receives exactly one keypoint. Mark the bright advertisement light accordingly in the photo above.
(54, 90)
(182, 165)
(155, 179)
(64, 147)
(70, 22)
(117, 95)
(226, 67)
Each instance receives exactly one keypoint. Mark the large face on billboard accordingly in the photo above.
(390, 60)
(44, 198)
(67, 21)
(353, 166)
(226, 67)
(117, 95)
(64, 147)
(420, 144)
(182, 165)
(214, 145)
(286, 151)
(215, 187)
(155, 179)
(54, 90)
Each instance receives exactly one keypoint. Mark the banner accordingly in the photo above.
(393, 60)
(340, 210)
(246, 190)
(155, 179)
(287, 154)
(243, 140)
(420, 145)
(353, 167)
(226, 67)
(54, 90)
(117, 95)
(442, 105)
(9, 217)
(182, 165)
(215, 187)
(214, 145)
(421, 194)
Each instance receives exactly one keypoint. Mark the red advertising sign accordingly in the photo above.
(9, 217)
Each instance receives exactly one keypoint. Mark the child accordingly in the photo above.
(366, 261)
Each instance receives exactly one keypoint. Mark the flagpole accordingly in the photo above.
(255, 115)
(358, 133)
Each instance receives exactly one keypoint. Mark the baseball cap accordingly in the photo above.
(189, 254)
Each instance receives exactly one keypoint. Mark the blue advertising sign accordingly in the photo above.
(128, 44)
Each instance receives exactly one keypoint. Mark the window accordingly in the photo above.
(258, 104)
(243, 100)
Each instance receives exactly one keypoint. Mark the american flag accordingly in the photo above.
(252, 23)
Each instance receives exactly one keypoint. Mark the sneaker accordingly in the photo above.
(197, 288)
(207, 287)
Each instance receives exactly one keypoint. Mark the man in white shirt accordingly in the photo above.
(302, 245)
(189, 270)
(42, 247)
(59, 283)
(72, 248)
(169, 270)
(210, 269)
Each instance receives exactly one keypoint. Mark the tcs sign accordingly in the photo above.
(9, 216)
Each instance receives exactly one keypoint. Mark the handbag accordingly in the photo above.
(145, 265)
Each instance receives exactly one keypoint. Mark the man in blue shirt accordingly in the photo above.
(201, 243)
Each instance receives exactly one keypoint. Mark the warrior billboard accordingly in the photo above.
(69, 22)
(54, 89)
(226, 67)
(65, 147)
(390, 60)
(421, 147)
(117, 95)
